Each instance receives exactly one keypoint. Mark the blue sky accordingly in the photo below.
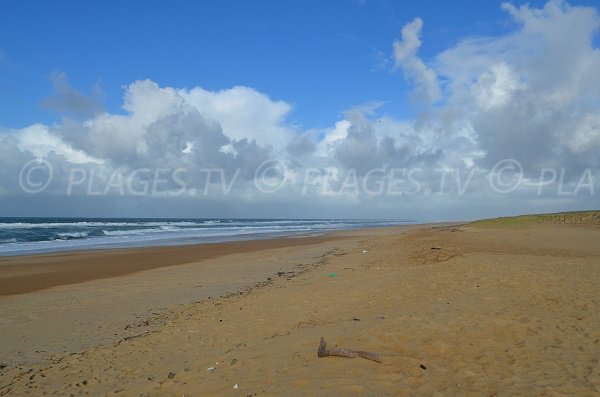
(322, 57)
(441, 104)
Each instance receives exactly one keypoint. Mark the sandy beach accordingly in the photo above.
(452, 309)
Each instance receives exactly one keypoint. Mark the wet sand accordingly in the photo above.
(451, 310)
(20, 274)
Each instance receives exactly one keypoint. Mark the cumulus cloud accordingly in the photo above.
(163, 128)
(67, 100)
(531, 94)
(405, 58)
(244, 113)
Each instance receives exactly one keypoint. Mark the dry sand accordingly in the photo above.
(451, 310)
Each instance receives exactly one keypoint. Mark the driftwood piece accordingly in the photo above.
(125, 339)
(323, 352)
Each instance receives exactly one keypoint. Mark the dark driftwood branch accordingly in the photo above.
(134, 336)
(323, 352)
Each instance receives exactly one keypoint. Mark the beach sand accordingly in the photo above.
(450, 309)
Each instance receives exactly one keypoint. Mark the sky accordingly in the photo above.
(299, 109)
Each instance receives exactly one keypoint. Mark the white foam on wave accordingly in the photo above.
(74, 234)
(41, 225)
(120, 234)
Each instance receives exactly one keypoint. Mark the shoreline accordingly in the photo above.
(28, 273)
(106, 292)
(59, 235)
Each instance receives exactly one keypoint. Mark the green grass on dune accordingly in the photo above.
(576, 217)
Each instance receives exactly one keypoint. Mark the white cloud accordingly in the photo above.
(495, 87)
(337, 133)
(530, 94)
(585, 136)
(40, 142)
(164, 125)
(405, 58)
(243, 113)
(147, 102)
(67, 100)
(161, 129)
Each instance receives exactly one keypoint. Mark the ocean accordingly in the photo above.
(21, 236)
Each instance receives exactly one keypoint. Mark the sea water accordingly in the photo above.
(19, 236)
